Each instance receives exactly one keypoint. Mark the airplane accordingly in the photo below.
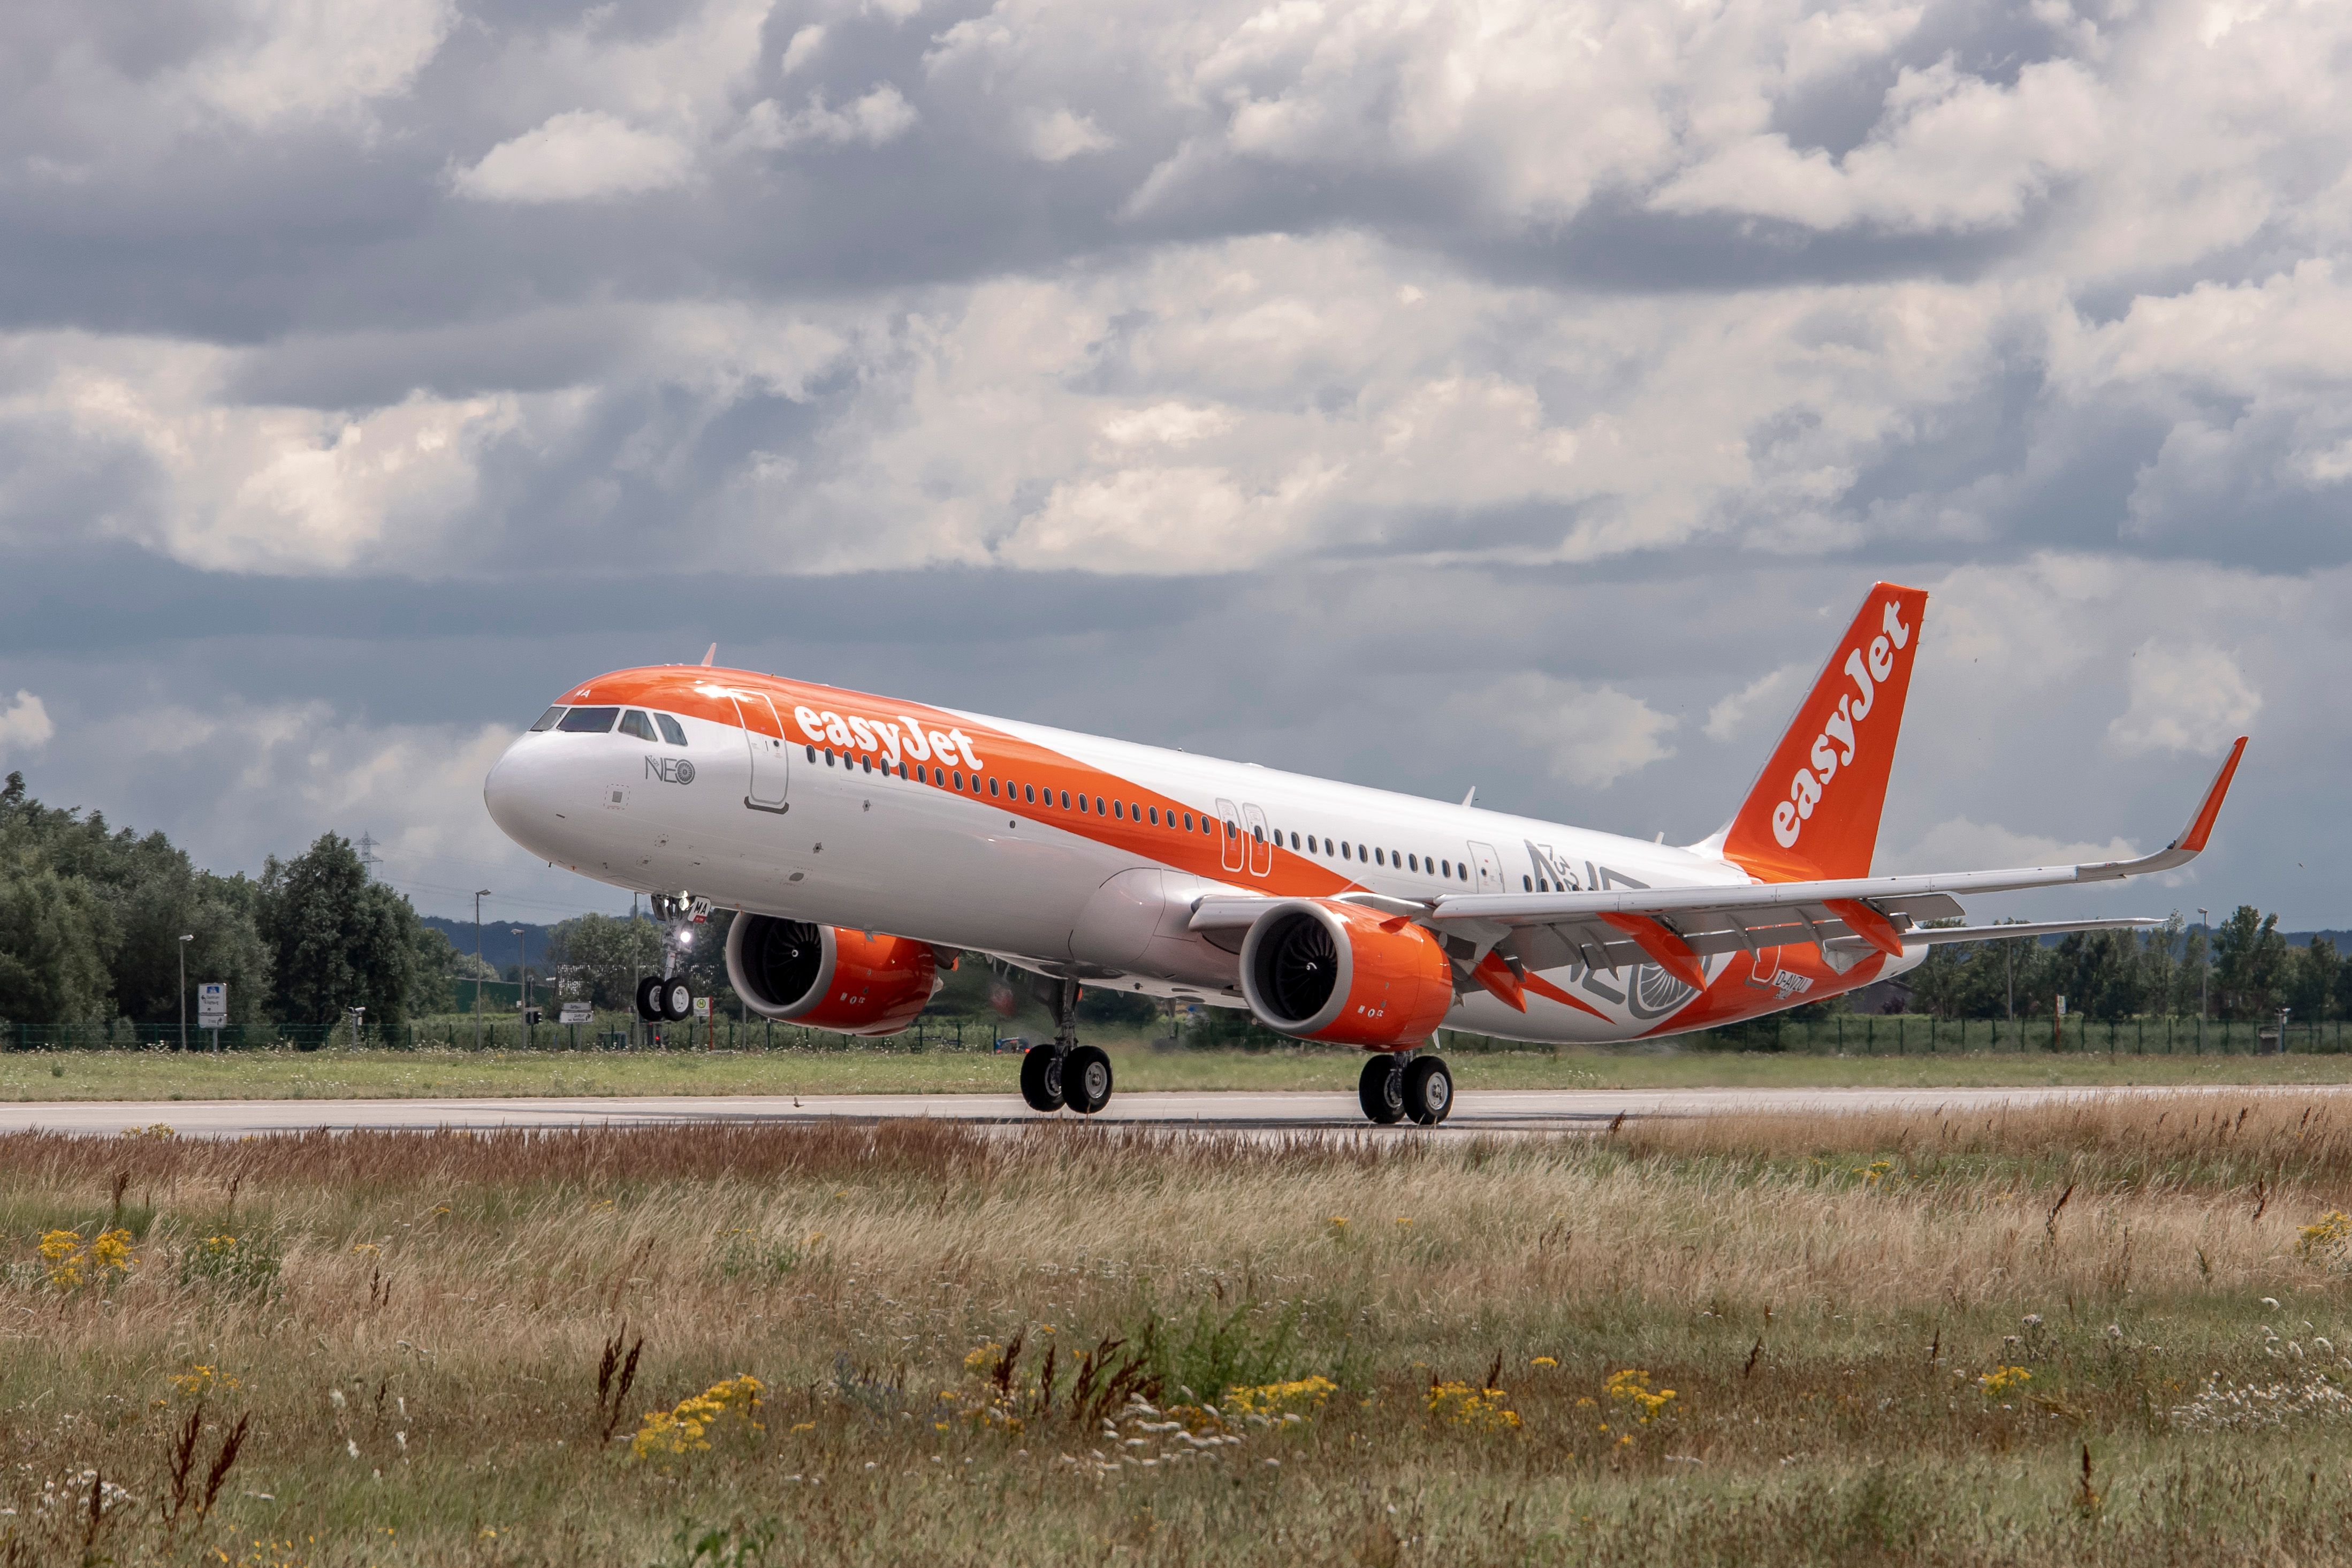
(865, 842)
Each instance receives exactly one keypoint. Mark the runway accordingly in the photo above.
(1475, 1110)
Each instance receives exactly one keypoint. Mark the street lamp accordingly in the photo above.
(2205, 967)
(478, 966)
(522, 968)
(183, 989)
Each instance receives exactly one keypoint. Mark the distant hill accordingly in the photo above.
(500, 947)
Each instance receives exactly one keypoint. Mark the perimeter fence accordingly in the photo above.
(606, 1031)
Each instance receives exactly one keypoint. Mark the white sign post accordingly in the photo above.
(211, 1009)
(577, 1013)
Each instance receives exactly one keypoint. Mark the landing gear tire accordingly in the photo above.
(1381, 1090)
(649, 1009)
(676, 1000)
(1085, 1079)
(1428, 1090)
(1041, 1077)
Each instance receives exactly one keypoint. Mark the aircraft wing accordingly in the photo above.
(1675, 927)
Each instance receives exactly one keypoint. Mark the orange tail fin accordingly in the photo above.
(1813, 812)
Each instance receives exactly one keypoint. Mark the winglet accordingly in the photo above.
(709, 656)
(2193, 838)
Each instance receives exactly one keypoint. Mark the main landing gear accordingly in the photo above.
(1395, 1089)
(1065, 1072)
(666, 998)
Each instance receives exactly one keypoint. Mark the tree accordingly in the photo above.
(2249, 963)
(607, 953)
(2099, 974)
(336, 940)
(2311, 975)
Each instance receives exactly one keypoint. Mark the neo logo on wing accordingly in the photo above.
(1839, 741)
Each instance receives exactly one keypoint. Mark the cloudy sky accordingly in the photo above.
(1518, 394)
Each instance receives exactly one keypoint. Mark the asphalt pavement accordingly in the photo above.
(1475, 1110)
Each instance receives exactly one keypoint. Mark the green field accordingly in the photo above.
(345, 1074)
(2103, 1334)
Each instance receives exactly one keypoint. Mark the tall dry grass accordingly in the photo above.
(1822, 1295)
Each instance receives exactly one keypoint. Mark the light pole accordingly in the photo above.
(183, 989)
(478, 966)
(2204, 964)
(522, 971)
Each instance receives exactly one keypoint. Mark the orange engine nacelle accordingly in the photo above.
(826, 978)
(1346, 975)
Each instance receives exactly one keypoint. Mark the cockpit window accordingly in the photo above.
(547, 720)
(588, 720)
(635, 723)
(672, 730)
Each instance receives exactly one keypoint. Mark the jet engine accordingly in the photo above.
(826, 978)
(1324, 971)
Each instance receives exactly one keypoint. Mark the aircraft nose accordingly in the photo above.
(516, 792)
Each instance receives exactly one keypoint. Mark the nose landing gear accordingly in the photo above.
(666, 998)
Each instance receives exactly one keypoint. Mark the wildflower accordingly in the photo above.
(111, 1252)
(1405, 1220)
(1302, 1396)
(1543, 1361)
(352, 1444)
(2000, 1380)
(980, 1362)
(686, 1427)
(1630, 1386)
(61, 1255)
(2327, 1240)
(196, 1380)
(1479, 1409)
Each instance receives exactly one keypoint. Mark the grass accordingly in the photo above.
(440, 1074)
(2107, 1333)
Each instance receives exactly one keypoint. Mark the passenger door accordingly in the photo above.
(1490, 867)
(763, 733)
(1229, 822)
(1261, 853)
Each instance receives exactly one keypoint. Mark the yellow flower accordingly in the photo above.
(1631, 1385)
(61, 1254)
(685, 1428)
(1543, 1361)
(1479, 1409)
(1302, 1396)
(980, 1362)
(2002, 1379)
(111, 1251)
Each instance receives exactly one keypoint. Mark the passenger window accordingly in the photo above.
(812, 752)
(1294, 841)
(828, 757)
(1344, 854)
(1258, 834)
(1448, 868)
(1098, 806)
(1065, 800)
(1188, 822)
(958, 778)
(867, 763)
(902, 769)
(635, 723)
(1082, 803)
(588, 720)
(672, 730)
(1379, 858)
(1119, 811)
(1412, 862)
(992, 786)
(1029, 793)
(547, 720)
(1233, 830)
(1527, 883)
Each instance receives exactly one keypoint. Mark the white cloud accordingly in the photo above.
(582, 155)
(241, 487)
(293, 59)
(1768, 694)
(802, 48)
(1959, 844)
(1062, 135)
(25, 725)
(880, 116)
(2190, 699)
(1587, 735)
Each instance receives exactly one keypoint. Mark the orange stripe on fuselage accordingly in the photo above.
(703, 693)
